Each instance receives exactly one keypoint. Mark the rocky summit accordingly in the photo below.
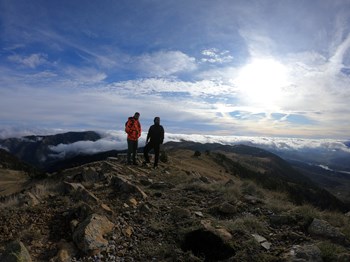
(192, 208)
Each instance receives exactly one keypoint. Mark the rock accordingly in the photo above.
(262, 241)
(259, 238)
(304, 253)
(73, 224)
(123, 185)
(253, 200)
(199, 213)
(80, 192)
(89, 234)
(133, 202)
(15, 252)
(66, 252)
(107, 209)
(347, 214)
(322, 228)
(90, 175)
(128, 231)
(30, 199)
(266, 245)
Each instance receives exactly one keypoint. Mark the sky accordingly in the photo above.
(225, 68)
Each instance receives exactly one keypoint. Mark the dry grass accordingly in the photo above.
(338, 220)
(40, 190)
(278, 202)
(330, 251)
(250, 188)
(247, 224)
(12, 181)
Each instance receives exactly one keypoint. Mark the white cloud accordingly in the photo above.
(116, 140)
(164, 63)
(216, 56)
(32, 61)
(85, 75)
(154, 86)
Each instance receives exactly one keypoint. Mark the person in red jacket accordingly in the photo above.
(133, 129)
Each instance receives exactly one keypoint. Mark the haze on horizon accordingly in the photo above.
(248, 68)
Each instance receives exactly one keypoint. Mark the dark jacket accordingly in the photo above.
(155, 134)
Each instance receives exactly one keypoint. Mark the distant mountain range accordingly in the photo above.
(39, 151)
(36, 150)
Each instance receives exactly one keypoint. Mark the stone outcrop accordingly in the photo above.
(89, 234)
(323, 229)
(123, 185)
(80, 192)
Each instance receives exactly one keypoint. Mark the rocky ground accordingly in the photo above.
(189, 209)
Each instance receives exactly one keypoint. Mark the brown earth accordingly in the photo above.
(12, 181)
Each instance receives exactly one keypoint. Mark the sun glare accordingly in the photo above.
(261, 81)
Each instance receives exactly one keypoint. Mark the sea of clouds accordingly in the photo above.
(315, 151)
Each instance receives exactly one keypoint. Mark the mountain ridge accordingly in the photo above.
(192, 208)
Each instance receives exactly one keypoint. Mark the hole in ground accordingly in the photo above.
(205, 243)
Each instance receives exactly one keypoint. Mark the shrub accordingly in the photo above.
(330, 251)
(197, 153)
(250, 188)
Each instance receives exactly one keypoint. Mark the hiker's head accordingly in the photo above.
(157, 120)
(137, 115)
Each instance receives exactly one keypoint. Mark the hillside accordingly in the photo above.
(14, 174)
(190, 209)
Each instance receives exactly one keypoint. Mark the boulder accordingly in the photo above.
(80, 192)
(252, 200)
(123, 185)
(89, 234)
(323, 229)
(304, 253)
(15, 252)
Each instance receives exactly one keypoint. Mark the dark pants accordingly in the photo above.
(132, 150)
(148, 148)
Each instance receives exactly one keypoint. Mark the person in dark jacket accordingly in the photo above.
(154, 139)
(133, 129)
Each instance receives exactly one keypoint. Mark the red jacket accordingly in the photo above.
(133, 128)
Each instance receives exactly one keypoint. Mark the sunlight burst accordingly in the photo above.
(261, 82)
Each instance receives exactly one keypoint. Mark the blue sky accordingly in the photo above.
(248, 68)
